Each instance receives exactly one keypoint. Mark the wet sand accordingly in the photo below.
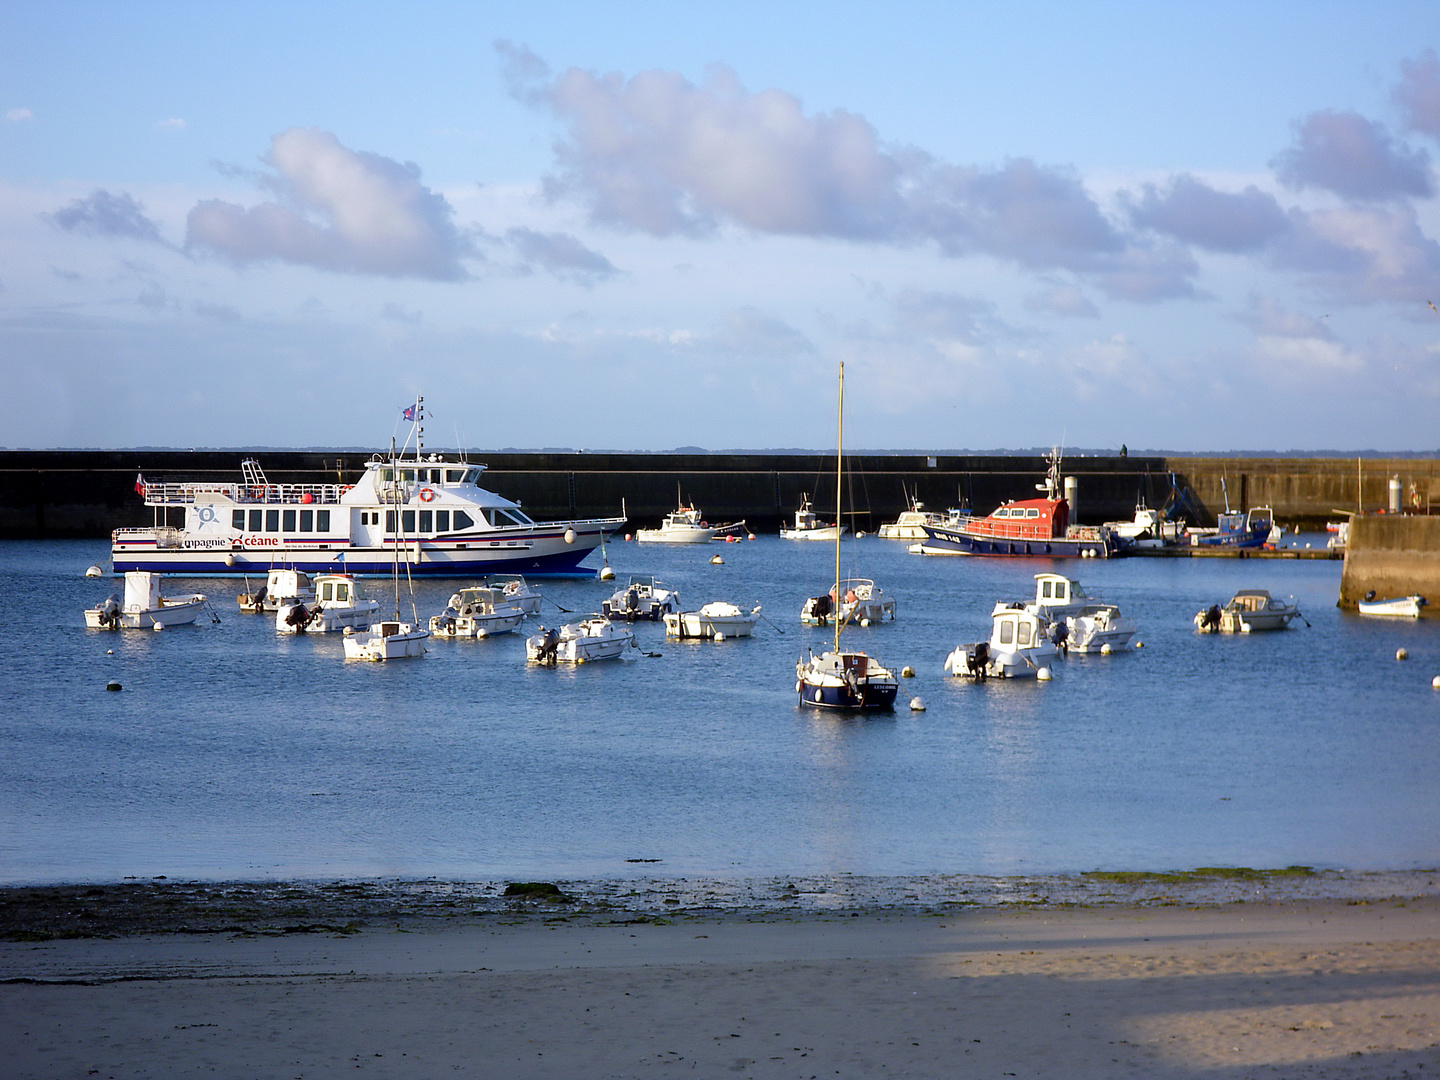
(427, 979)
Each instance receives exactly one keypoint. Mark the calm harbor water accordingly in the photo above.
(234, 753)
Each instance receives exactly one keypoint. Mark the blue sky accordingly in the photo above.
(645, 226)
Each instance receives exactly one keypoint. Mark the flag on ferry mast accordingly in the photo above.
(410, 412)
(139, 484)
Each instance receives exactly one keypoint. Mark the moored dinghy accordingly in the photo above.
(143, 607)
(595, 638)
(716, 619)
(1401, 607)
(283, 586)
(861, 601)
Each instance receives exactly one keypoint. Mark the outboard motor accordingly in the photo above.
(257, 601)
(299, 617)
(110, 612)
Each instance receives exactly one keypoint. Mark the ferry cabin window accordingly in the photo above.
(473, 476)
(289, 521)
(307, 520)
(255, 520)
(462, 520)
(386, 475)
(1007, 631)
(427, 521)
(407, 521)
(389, 521)
(272, 520)
(237, 519)
(322, 521)
(442, 521)
(454, 476)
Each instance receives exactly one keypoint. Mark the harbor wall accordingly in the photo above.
(1392, 555)
(86, 493)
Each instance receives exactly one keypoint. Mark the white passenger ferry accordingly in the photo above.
(425, 511)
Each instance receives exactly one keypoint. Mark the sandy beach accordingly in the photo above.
(1266, 987)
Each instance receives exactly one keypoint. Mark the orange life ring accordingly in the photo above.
(426, 494)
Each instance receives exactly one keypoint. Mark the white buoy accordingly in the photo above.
(606, 574)
(864, 622)
(719, 636)
(1044, 674)
(717, 560)
(907, 672)
(1105, 649)
(627, 536)
(229, 560)
(1435, 682)
(1139, 644)
(917, 704)
(159, 626)
(569, 536)
(94, 571)
(1402, 654)
(859, 534)
(749, 536)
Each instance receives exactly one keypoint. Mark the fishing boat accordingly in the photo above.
(681, 526)
(477, 612)
(1249, 610)
(386, 640)
(1147, 529)
(283, 586)
(910, 525)
(1237, 529)
(1033, 527)
(143, 607)
(717, 619)
(642, 598)
(595, 638)
(1089, 624)
(1019, 646)
(808, 525)
(428, 510)
(847, 679)
(857, 600)
(338, 606)
(1400, 607)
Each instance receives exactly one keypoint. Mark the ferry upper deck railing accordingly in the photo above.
(187, 494)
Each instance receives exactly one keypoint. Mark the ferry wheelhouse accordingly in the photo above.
(426, 512)
(1035, 527)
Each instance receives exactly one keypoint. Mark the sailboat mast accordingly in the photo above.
(839, 517)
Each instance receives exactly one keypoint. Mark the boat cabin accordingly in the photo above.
(1027, 519)
(1057, 596)
(336, 589)
(1015, 628)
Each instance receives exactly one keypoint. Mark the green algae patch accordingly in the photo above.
(538, 890)
(1199, 874)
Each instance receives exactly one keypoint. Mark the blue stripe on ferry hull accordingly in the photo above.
(379, 564)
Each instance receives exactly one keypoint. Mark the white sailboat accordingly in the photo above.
(850, 679)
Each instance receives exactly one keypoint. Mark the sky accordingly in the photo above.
(643, 226)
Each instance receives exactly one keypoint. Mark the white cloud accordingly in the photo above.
(172, 124)
(337, 209)
(18, 116)
(1302, 357)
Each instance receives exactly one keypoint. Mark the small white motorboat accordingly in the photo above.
(862, 602)
(143, 607)
(516, 588)
(1147, 529)
(477, 612)
(595, 638)
(682, 526)
(1249, 610)
(716, 619)
(1019, 646)
(339, 605)
(282, 587)
(642, 598)
(808, 525)
(386, 640)
(910, 525)
(1401, 607)
(1088, 624)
